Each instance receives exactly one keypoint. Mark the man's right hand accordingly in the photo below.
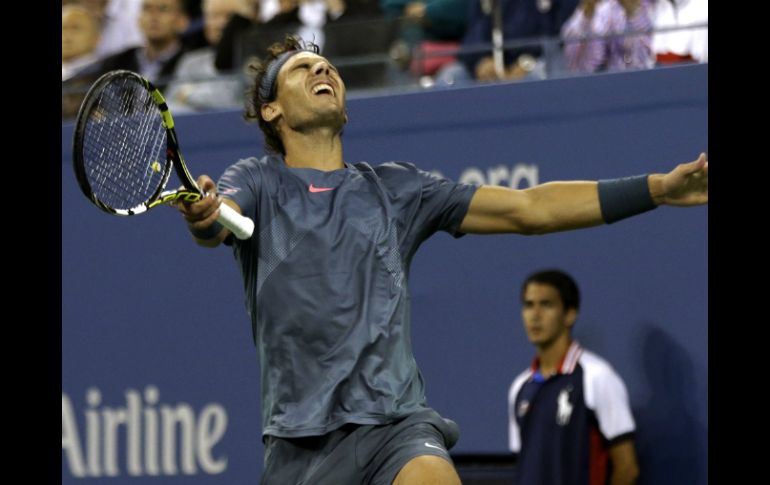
(202, 214)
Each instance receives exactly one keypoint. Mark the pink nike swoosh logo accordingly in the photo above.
(314, 189)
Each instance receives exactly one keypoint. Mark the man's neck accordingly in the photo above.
(550, 356)
(318, 150)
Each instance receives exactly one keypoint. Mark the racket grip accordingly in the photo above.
(239, 225)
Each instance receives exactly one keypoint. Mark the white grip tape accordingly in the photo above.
(239, 225)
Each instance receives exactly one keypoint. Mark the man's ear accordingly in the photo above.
(570, 317)
(270, 112)
(182, 23)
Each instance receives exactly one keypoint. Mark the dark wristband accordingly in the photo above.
(624, 197)
(209, 233)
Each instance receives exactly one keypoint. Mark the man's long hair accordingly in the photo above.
(257, 68)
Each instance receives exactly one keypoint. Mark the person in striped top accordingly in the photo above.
(609, 35)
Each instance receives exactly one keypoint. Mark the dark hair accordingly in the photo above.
(257, 68)
(564, 284)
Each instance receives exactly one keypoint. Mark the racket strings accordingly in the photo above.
(124, 153)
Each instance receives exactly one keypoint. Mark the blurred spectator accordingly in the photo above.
(79, 63)
(197, 85)
(684, 45)
(162, 22)
(521, 19)
(620, 34)
(434, 19)
(79, 38)
(119, 24)
(305, 18)
(428, 26)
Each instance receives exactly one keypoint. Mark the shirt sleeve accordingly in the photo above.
(239, 183)
(514, 432)
(443, 203)
(611, 405)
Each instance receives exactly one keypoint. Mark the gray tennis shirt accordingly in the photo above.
(325, 275)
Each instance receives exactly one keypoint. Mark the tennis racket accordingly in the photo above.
(125, 146)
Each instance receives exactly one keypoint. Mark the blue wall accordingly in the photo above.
(146, 311)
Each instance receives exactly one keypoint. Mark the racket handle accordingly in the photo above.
(239, 225)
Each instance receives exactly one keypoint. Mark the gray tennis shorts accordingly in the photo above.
(358, 454)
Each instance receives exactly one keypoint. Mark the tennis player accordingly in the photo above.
(326, 273)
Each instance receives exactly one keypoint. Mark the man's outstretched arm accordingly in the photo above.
(562, 206)
(202, 216)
